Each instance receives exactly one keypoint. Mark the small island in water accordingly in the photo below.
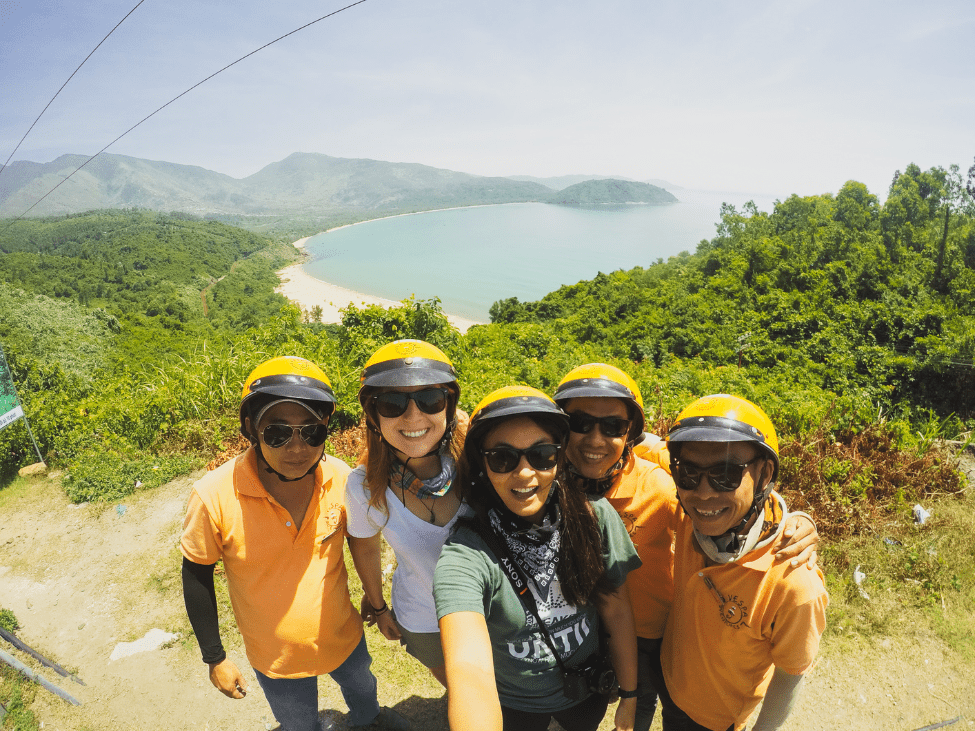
(611, 192)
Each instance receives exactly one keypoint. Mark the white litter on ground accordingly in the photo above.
(858, 578)
(920, 515)
(153, 640)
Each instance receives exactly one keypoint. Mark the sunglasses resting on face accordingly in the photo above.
(723, 476)
(395, 403)
(504, 459)
(611, 426)
(278, 435)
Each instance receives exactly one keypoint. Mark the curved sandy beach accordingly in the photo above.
(307, 292)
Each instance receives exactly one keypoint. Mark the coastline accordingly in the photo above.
(308, 292)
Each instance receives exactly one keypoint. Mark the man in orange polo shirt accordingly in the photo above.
(604, 453)
(743, 628)
(276, 517)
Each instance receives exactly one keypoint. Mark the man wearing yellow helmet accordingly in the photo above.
(275, 515)
(743, 628)
(608, 454)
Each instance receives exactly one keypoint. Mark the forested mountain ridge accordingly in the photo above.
(303, 183)
(611, 192)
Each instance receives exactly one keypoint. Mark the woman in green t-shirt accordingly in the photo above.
(532, 552)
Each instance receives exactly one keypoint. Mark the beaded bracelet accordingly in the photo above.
(382, 610)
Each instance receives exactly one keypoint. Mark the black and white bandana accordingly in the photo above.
(535, 548)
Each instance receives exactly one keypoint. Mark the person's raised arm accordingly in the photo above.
(472, 694)
(616, 615)
(200, 599)
(367, 558)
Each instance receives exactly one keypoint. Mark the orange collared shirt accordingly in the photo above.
(645, 497)
(723, 640)
(289, 587)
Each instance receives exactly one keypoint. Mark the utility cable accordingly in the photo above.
(4, 166)
(199, 83)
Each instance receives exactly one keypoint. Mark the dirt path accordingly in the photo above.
(83, 579)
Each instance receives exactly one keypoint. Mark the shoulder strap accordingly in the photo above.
(519, 583)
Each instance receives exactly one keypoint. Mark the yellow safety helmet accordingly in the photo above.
(287, 377)
(599, 380)
(515, 401)
(406, 363)
(724, 418)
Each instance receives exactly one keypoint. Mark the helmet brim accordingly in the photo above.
(317, 413)
(405, 372)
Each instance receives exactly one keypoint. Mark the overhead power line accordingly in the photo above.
(4, 166)
(199, 83)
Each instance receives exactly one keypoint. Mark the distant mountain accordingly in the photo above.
(303, 183)
(611, 192)
(559, 182)
(562, 182)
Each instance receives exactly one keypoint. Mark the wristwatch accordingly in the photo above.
(628, 693)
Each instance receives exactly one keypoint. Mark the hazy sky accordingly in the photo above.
(767, 97)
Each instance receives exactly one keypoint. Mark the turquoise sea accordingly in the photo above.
(471, 257)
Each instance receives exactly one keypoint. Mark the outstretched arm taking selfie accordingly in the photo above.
(472, 700)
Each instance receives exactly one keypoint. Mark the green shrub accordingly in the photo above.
(8, 621)
(105, 477)
(16, 694)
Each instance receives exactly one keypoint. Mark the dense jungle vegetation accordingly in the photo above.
(849, 321)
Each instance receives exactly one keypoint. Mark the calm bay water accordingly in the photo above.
(471, 257)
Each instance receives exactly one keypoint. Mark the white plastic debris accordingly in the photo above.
(387, 571)
(153, 640)
(920, 515)
(858, 577)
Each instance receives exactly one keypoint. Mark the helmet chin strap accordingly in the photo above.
(599, 485)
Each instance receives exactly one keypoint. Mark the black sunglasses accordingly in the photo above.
(611, 426)
(395, 403)
(723, 477)
(505, 459)
(277, 435)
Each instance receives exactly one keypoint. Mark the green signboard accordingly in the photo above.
(10, 409)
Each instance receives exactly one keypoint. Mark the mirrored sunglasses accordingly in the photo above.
(395, 403)
(611, 426)
(277, 435)
(505, 459)
(723, 477)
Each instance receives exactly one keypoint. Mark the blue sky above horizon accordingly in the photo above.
(765, 97)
